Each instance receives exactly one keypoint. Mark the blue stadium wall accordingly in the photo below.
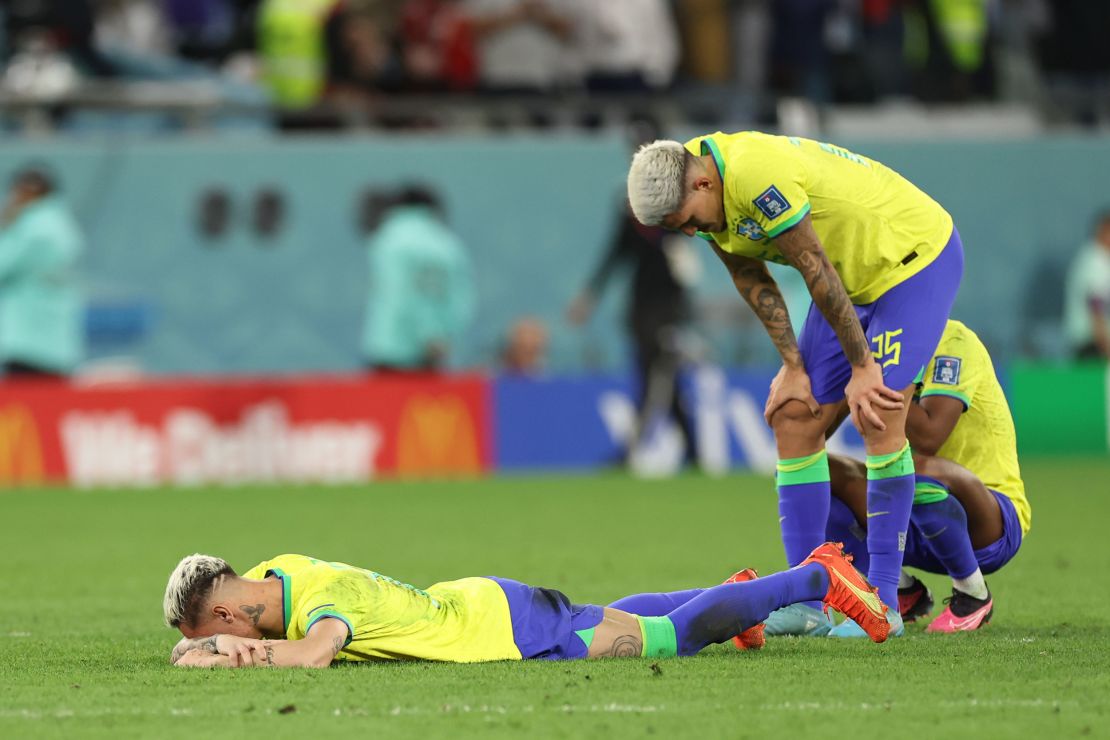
(535, 211)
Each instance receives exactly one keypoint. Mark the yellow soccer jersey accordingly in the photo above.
(877, 228)
(984, 440)
(464, 621)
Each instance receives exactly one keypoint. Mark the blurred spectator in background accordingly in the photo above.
(211, 30)
(1087, 296)
(437, 42)
(312, 50)
(135, 26)
(799, 64)
(1077, 55)
(526, 46)
(705, 39)
(658, 312)
(525, 350)
(44, 33)
(40, 304)
(884, 46)
(629, 45)
(421, 291)
(949, 49)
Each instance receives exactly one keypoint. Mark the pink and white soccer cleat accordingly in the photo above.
(963, 613)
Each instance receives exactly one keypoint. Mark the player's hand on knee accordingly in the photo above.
(790, 384)
(867, 392)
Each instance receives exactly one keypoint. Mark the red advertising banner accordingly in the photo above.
(304, 429)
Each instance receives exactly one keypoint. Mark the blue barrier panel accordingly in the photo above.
(585, 422)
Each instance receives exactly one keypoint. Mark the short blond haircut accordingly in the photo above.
(657, 181)
(189, 586)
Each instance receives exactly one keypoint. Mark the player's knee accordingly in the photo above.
(927, 465)
(795, 420)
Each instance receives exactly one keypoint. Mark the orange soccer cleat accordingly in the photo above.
(752, 638)
(849, 592)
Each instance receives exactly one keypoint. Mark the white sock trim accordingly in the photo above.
(973, 585)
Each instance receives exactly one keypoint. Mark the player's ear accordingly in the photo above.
(222, 613)
(702, 182)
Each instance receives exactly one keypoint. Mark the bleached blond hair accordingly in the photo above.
(657, 181)
(189, 586)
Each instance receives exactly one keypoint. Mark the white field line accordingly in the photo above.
(500, 710)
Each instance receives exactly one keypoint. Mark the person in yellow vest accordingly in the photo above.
(317, 50)
(292, 46)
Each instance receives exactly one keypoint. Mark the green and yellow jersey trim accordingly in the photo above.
(286, 596)
(790, 222)
(962, 397)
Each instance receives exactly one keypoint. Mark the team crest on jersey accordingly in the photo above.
(947, 371)
(749, 228)
(772, 203)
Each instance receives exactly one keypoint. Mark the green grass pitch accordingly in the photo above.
(83, 651)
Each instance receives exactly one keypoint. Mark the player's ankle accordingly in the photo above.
(973, 585)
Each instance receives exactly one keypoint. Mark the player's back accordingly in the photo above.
(984, 440)
(463, 620)
(877, 227)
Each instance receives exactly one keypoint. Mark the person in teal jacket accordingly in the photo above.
(421, 291)
(40, 303)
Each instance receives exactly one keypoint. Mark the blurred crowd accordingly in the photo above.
(309, 54)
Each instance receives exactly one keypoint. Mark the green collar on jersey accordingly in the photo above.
(286, 597)
(708, 146)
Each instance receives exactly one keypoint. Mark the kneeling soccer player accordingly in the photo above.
(295, 610)
(970, 512)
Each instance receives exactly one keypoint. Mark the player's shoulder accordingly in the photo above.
(959, 356)
(958, 338)
(737, 142)
(288, 564)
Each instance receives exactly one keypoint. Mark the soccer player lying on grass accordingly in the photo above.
(970, 512)
(299, 611)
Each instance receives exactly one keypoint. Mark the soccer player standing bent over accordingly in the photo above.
(882, 261)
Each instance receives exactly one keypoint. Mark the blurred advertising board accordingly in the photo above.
(586, 422)
(1060, 409)
(301, 429)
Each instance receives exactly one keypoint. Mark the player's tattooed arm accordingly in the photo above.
(205, 644)
(803, 250)
(761, 292)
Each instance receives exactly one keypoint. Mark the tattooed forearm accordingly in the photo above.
(832, 299)
(207, 644)
(759, 290)
(254, 612)
(626, 646)
(269, 655)
(802, 248)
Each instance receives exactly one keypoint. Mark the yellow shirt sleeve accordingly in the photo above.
(769, 186)
(954, 371)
